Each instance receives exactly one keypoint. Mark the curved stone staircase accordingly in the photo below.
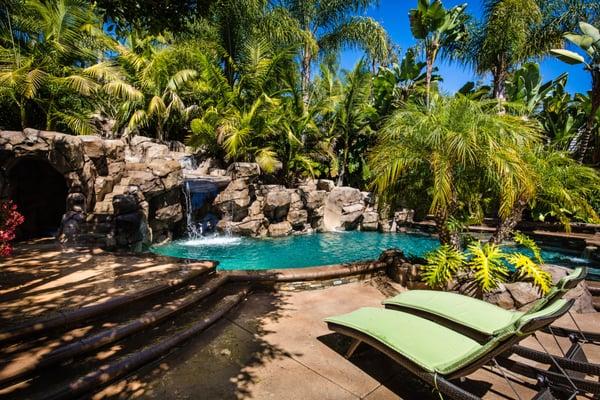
(594, 288)
(80, 351)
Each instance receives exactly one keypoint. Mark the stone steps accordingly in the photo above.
(594, 288)
(69, 361)
(41, 325)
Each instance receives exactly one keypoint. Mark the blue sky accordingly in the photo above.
(393, 15)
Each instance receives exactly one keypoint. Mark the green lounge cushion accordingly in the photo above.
(464, 310)
(433, 347)
(476, 314)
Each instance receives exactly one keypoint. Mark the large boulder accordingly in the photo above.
(298, 218)
(250, 226)
(233, 202)
(243, 170)
(500, 297)
(581, 294)
(370, 221)
(343, 209)
(277, 205)
(521, 295)
(280, 229)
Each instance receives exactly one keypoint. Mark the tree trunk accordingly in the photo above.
(342, 173)
(589, 141)
(306, 60)
(23, 113)
(507, 225)
(430, 55)
(500, 74)
(159, 130)
(446, 236)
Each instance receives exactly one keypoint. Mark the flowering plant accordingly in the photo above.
(10, 219)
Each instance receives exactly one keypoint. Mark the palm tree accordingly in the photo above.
(514, 31)
(50, 51)
(160, 74)
(564, 189)
(243, 120)
(437, 29)
(396, 84)
(589, 42)
(457, 153)
(331, 25)
(347, 115)
(230, 24)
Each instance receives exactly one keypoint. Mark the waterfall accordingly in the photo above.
(198, 193)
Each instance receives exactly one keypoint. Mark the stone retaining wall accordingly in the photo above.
(250, 207)
(120, 195)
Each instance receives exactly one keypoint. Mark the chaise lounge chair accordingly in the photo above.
(471, 314)
(433, 352)
(481, 320)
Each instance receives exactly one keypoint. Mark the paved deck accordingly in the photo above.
(275, 346)
(42, 279)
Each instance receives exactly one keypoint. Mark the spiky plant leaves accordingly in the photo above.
(530, 244)
(527, 269)
(123, 90)
(487, 266)
(442, 266)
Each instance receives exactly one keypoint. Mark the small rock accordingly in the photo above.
(226, 352)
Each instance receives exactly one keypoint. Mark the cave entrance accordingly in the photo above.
(40, 193)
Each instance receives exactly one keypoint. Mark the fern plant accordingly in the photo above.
(486, 265)
(530, 244)
(442, 266)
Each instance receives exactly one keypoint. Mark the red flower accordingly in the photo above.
(10, 219)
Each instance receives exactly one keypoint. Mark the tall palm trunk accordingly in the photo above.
(430, 55)
(588, 135)
(343, 167)
(507, 225)
(23, 114)
(306, 60)
(500, 75)
(446, 236)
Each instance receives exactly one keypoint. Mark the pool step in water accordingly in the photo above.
(85, 357)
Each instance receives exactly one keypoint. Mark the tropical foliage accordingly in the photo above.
(437, 29)
(589, 42)
(234, 80)
(486, 266)
(455, 154)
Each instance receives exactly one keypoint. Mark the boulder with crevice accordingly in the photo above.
(280, 229)
(277, 204)
(343, 209)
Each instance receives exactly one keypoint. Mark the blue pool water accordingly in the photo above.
(241, 253)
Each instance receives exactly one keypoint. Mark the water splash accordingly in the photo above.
(215, 241)
(193, 229)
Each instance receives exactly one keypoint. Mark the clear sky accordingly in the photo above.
(393, 15)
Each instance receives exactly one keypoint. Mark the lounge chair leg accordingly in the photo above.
(352, 348)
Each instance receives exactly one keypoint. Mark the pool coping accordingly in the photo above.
(318, 273)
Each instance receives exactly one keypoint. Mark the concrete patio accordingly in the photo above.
(275, 346)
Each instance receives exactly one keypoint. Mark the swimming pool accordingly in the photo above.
(244, 253)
